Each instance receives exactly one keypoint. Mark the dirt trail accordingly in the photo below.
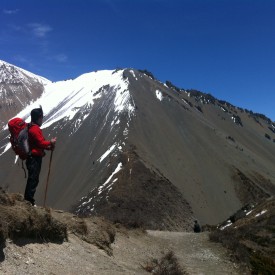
(196, 253)
(130, 249)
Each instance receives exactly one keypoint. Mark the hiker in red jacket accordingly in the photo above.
(37, 145)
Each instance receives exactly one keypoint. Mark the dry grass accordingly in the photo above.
(94, 230)
(167, 265)
(252, 239)
(231, 240)
(100, 233)
(19, 219)
(36, 227)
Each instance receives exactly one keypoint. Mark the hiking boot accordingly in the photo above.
(31, 201)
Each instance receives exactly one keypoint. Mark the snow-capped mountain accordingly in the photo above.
(18, 88)
(10, 74)
(139, 151)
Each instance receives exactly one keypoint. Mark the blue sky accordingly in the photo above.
(222, 47)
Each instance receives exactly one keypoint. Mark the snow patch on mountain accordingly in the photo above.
(78, 122)
(133, 74)
(223, 109)
(122, 100)
(116, 121)
(105, 184)
(261, 213)
(113, 150)
(95, 192)
(185, 101)
(5, 148)
(159, 95)
(107, 153)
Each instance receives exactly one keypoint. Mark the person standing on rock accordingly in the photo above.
(197, 227)
(37, 144)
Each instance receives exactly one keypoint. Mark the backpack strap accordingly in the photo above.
(29, 154)
(29, 125)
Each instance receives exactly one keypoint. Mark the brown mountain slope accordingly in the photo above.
(139, 197)
(195, 151)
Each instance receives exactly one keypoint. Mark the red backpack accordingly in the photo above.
(19, 140)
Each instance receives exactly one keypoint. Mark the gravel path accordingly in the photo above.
(196, 253)
(130, 250)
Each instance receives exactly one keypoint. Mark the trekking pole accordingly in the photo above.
(47, 183)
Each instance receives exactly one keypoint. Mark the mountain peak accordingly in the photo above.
(18, 88)
(65, 99)
(13, 74)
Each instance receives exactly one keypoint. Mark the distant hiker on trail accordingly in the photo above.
(37, 145)
(197, 227)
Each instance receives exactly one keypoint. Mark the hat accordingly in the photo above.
(36, 114)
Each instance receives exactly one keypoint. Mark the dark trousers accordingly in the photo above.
(34, 166)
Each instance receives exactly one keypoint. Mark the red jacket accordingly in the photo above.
(37, 141)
